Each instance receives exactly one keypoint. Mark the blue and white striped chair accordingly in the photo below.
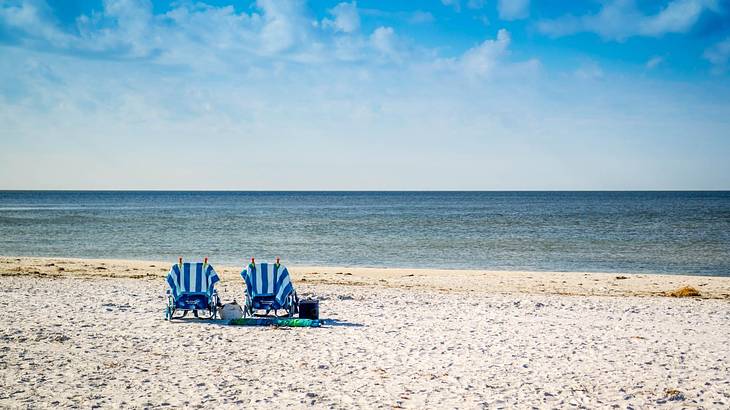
(191, 287)
(269, 287)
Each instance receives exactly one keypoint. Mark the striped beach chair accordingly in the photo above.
(269, 288)
(191, 287)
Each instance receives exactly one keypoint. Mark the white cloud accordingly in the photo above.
(513, 9)
(419, 17)
(125, 25)
(209, 38)
(677, 17)
(191, 33)
(488, 60)
(481, 60)
(456, 4)
(410, 16)
(347, 18)
(476, 4)
(471, 4)
(124, 29)
(32, 18)
(719, 56)
(220, 41)
(132, 16)
(284, 25)
(383, 40)
(621, 19)
(654, 62)
(589, 71)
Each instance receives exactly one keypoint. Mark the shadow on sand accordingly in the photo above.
(191, 319)
(337, 323)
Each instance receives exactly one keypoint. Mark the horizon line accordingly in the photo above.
(363, 190)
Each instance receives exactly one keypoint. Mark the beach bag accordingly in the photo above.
(231, 311)
(309, 309)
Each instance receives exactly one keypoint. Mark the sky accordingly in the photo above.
(365, 95)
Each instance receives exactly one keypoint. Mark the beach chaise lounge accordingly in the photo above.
(191, 287)
(269, 287)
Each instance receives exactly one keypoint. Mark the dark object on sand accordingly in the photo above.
(686, 291)
(309, 309)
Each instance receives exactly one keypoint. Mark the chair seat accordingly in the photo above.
(198, 301)
(262, 302)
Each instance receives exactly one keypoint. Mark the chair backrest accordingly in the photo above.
(267, 279)
(190, 278)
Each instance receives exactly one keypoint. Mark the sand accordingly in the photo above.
(93, 334)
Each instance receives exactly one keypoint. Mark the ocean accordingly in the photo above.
(642, 232)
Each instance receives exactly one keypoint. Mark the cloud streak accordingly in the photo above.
(620, 19)
(346, 18)
(481, 60)
(719, 56)
(513, 9)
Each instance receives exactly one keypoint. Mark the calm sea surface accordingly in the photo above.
(653, 232)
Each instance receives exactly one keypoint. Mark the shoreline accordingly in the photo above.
(444, 280)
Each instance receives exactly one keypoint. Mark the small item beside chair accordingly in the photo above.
(231, 311)
(309, 309)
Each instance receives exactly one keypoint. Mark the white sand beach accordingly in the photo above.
(90, 333)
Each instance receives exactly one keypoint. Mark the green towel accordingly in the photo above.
(273, 321)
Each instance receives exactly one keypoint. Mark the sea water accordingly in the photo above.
(649, 232)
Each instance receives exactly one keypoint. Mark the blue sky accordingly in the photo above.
(443, 94)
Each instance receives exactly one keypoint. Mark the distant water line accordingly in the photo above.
(647, 232)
